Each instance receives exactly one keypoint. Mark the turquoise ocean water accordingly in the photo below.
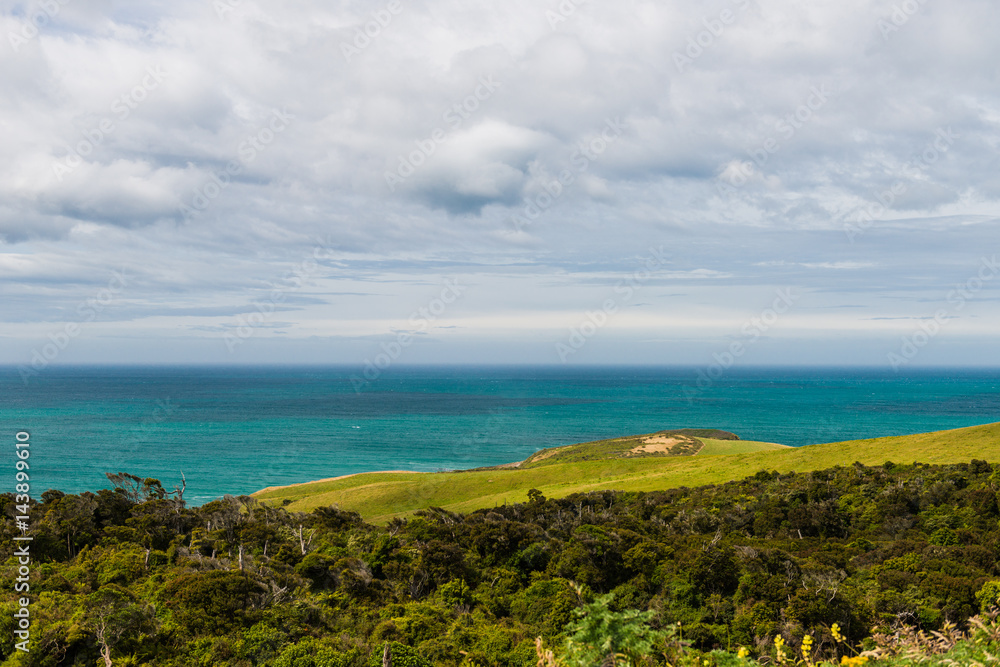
(237, 430)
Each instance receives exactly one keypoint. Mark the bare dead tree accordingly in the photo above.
(304, 543)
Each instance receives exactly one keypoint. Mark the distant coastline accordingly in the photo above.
(339, 477)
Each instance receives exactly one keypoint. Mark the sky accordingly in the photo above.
(578, 182)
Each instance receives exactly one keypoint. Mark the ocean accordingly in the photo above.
(237, 430)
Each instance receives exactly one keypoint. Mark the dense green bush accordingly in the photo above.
(238, 584)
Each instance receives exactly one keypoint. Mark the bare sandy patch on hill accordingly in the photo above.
(663, 444)
(656, 445)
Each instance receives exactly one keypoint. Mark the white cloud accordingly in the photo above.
(730, 112)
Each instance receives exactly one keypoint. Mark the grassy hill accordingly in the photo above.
(648, 462)
(678, 442)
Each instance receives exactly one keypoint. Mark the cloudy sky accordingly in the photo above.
(238, 181)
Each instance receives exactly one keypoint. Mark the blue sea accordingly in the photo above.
(237, 430)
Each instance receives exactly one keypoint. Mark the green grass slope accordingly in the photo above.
(714, 447)
(379, 497)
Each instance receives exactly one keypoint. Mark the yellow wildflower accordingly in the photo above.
(835, 631)
(807, 643)
(779, 644)
(743, 652)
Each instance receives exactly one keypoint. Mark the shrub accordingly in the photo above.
(401, 655)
